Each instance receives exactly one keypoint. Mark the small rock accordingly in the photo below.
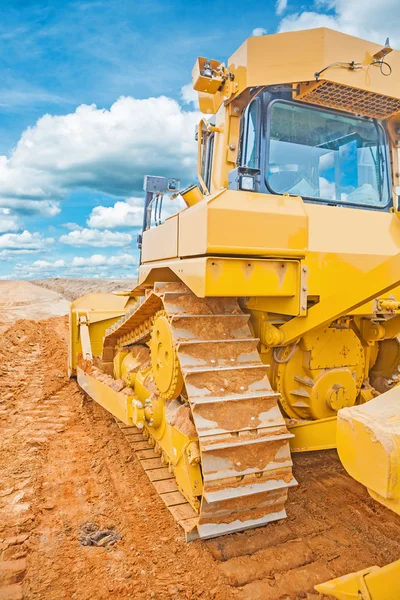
(107, 540)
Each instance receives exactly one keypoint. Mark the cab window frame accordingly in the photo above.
(257, 104)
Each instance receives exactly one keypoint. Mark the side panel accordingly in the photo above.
(215, 276)
(193, 224)
(161, 242)
(244, 223)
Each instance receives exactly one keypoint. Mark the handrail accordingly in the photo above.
(210, 129)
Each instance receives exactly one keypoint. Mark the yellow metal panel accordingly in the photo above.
(363, 287)
(332, 231)
(193, 224)
(102, 311)
(271, 304)
(335, 255)
(313, 435)
(297, 56)
(249, 277)
(238, 222)
(100, 305)
(161, 242)
(116, 403)
(215, 276)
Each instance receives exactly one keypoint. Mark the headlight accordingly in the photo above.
(247, 183)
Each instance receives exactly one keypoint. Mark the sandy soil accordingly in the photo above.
(64, 463)
(23, 300)
(73, 288)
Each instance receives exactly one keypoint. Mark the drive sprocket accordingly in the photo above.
(164, 359)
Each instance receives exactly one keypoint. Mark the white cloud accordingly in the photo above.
(23, 242)
(8, 221)
(123, 266)
(72, 226)
(259, 31)
(106, 150)
(280, 6)
(23, 206)
(122, 214)
(40, 265)
(96, 238)
(189, 95)
(99, 260)
(373, 21)
(128, 213)
(308, 20)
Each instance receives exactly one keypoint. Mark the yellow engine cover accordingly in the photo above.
(320, 375)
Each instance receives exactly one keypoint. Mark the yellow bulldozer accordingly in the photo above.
(266, 318)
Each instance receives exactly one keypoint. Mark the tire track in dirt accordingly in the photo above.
(27, 423)
(333, 528)
(64, 462)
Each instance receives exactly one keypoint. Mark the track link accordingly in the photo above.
(245, 455)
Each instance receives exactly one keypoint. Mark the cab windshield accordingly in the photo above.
(319, 154)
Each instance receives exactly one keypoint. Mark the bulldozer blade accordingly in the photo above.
(373, 583)
(348, 587)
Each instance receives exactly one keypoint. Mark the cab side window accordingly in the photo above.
(207, 149)
(251, 144)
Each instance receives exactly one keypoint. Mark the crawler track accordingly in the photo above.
(243, 439)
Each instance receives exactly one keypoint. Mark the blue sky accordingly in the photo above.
(95, 94)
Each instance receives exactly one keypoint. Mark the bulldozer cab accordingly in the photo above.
(313, 114)
(319, 154)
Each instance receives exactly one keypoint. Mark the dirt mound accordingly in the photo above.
(22, 300)
(73, 288)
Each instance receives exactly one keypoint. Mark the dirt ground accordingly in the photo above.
(73, 288)
(22, 300)
(64, 463)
